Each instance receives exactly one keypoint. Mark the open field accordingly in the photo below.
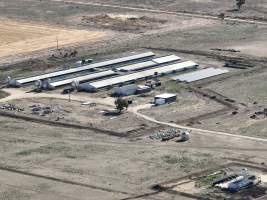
(248, 90)
(21, 38)
(251, 9)
(109, 167)
(244, 89)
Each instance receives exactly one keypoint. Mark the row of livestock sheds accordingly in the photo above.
(20, 82)
(177, 67)
(106, 73)
(151, 63)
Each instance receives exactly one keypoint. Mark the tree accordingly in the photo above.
(240, 3)
(221, 16)
(121, 104)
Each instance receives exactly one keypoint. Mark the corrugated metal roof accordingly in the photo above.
(137, 66)
(143, 74)
(83, 78)
(166, 59)
(200, 74)
(151, 63)
(87, 67)
(165, 96)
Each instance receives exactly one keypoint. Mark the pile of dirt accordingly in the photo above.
(122, 22)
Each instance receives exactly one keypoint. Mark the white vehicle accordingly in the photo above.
(184, 135)
(84, 62)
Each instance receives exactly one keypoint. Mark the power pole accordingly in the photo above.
(69, 95)
(57, 42)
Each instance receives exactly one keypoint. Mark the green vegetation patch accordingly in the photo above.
(209, 179)
(188, 162)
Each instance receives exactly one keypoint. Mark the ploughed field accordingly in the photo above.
(20, 38)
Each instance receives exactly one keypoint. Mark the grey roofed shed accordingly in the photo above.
(19, 82)
(151, 63)
(139, 75)
(200, 74)
(83, 78)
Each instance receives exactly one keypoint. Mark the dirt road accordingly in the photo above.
(20, 94)
(196, 130)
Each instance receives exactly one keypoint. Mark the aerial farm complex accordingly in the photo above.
(133, 100)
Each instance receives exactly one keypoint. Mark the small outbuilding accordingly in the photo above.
(165, 98)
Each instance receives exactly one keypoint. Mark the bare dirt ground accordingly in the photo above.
(250, 90)
(75, 112)
(102, 166)
(252, 9)
(187, 106)
(21, 38)
(255, 48)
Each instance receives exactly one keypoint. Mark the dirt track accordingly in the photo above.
(21, 38)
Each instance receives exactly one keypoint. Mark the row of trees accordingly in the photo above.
(240, 3)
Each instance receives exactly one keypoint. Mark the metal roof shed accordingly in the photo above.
(165, 98)
(200, 74)
(151, 63)
(143, 74)
(84, 78)
(19, 82)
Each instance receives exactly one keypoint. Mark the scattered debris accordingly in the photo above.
(88, 103)
(238, 64)
(259, 114)
(168, 134)
(229, 50)
(11, 107)
(41, 111)
(64, 53)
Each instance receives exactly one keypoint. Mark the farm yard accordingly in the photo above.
(91, 107)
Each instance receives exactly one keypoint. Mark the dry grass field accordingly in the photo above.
(19, 37)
